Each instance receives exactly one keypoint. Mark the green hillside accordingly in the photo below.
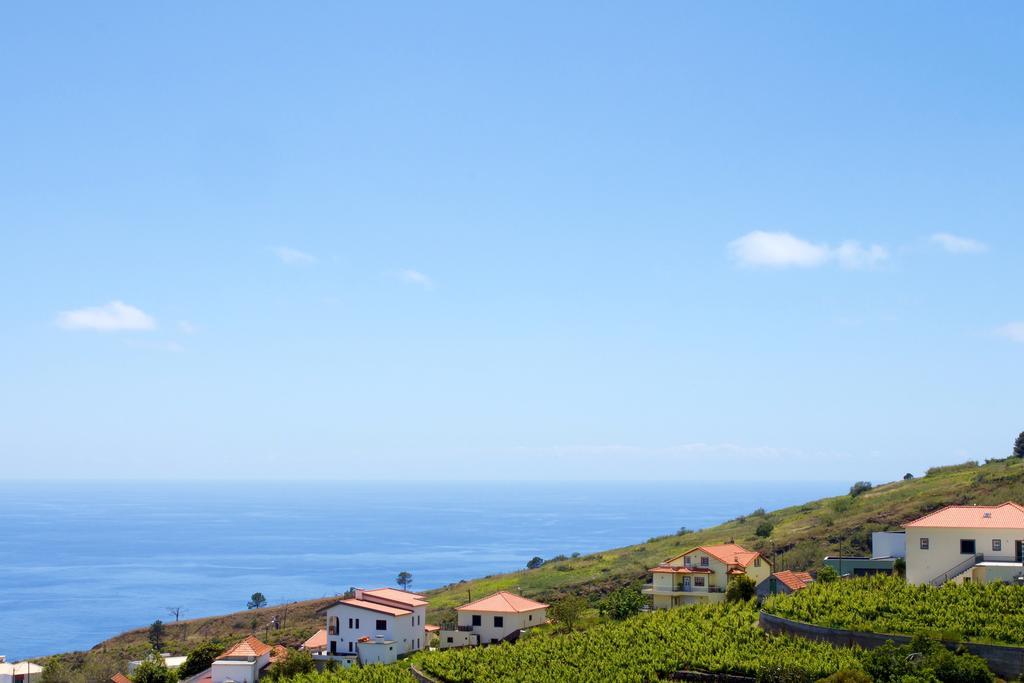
(800, 536)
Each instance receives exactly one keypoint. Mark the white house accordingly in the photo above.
(19, 672)
(382, 623)
(961, 543)
(702, 574)
(244, 662)
(497, 617)
(170, 661)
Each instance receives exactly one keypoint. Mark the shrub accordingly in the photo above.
(153, 670)
(827, 574)
(623, 603)
(294, 663)
(535, 562)
(859, 488)
(568, 610)
(764, 529)
(907, 476)
(741, 589)
(848, 676)
(199, 659)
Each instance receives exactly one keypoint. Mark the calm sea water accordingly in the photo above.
(82, 562)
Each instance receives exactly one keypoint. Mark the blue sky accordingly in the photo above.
(510, 240)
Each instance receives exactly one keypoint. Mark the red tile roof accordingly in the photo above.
(120, 678)
(278, 652)
(401, 597)
(250, 647)
(317, 641)
(794, 580)
(429, 628)
(1009, 515)
(502, 601)
(729, 553)
(375, 607)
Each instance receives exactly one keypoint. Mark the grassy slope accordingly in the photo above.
(802, 535)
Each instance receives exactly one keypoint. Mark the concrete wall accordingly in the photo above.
(1005, 661)
(888, 544)
(237, 670)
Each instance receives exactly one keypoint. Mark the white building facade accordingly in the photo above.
(386, 621)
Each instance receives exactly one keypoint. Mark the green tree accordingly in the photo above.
(535, 562)
(199, 659)
(623, 603)
(827, 574)
(859, 488)
(568, 610)
(153, 670)
(404, 580)
(741, 589)
(257, 600)
(1018, 446)
(899, 567)
(56, 671)
(764, 529)
(156, 634)
(295, 663)
(908, 476)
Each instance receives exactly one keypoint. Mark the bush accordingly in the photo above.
(827, 574)
(848, 676)
(535, 563)
(859, 488)
(153, 670)
(623, 603)
(908, 476)
(924, 659)
(294, 663)
(199, 659)
(764, 529)
(741, 589)
(568, 610)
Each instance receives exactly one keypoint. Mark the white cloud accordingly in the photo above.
(116, 316)
(785, 250)
(958, 245)
(1012, 331)
(415, 277)
(294, 257)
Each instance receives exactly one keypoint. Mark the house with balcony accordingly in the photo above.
(702, 574)
(375, 626)
(499, 617)
(967, 543)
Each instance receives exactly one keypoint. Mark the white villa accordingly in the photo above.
(961, 543)
(19, 672)
(702, 574)
(498, 617)
(375, 626)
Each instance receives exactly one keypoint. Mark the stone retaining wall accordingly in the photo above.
(1004, 660)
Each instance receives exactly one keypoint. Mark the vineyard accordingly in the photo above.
(713, 638)
(375, 673)
(992, 613)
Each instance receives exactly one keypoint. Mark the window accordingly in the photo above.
(499, 622)
(997, 544)
(450, 639)
(382, 624)
(687, 561)
(703, 560)
(332, 628)
(967, 546)
(530, 618)
(924, 543)
(698, 581)
(350, 622)
(477, 620)
(757, 561)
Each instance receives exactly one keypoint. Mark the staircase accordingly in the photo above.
(956, 571)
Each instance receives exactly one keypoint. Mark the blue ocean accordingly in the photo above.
(80, 562)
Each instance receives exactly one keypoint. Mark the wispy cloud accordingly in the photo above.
(1013, 331)
(294, 257)
(116, 316)
(415, 277)
(958, 245)
(760, 249)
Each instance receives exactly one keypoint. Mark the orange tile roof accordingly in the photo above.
(120, 678)
(502, 601)
(431, 627)
(401, 597)
(317, 641)
(794, 580)
(1009, 515)
(250, 647)
(729, 553)
(375, 607)
(278, 652)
